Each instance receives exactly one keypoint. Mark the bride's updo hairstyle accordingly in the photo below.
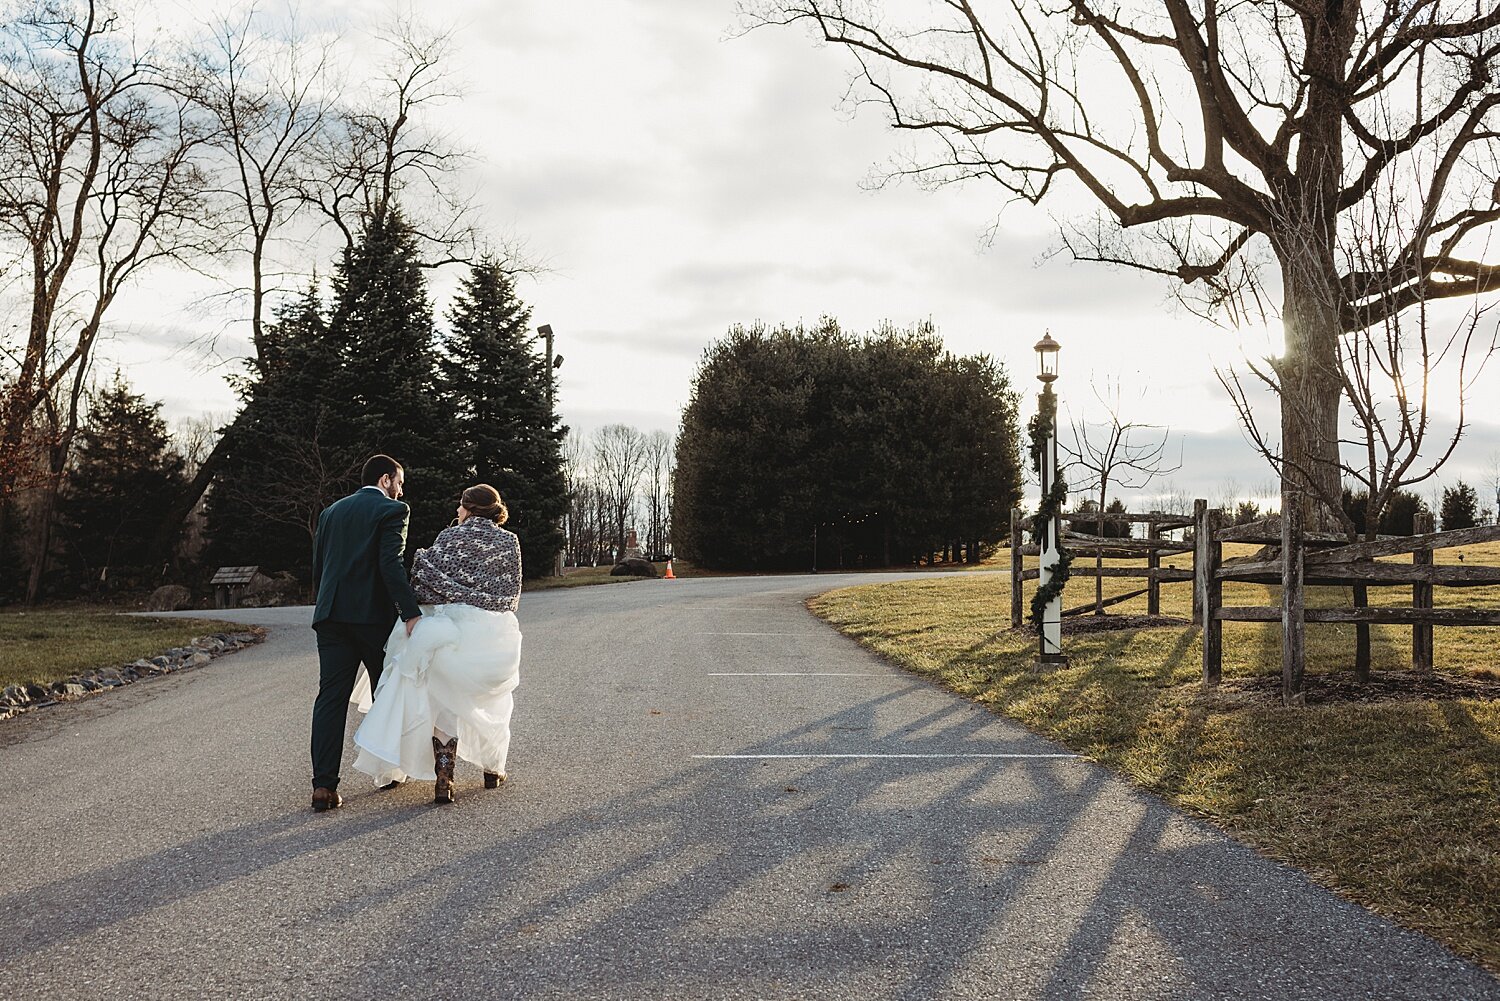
(483, 501)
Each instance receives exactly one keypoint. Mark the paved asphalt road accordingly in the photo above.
(158, 842)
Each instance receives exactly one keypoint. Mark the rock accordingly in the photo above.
(199, 659)
(15, 695)
(129, 674)
(36, 692)
(271, 592)
(169, 598)
(69, 688)
(90, 685)
(633, 567)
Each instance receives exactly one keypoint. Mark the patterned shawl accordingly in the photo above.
(477, 563)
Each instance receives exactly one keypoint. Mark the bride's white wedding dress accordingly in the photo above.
(458, 670)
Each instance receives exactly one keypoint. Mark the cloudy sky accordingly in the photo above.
(677, 180)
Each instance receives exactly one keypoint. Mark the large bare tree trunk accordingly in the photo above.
(1310, 394)
(1306, 239)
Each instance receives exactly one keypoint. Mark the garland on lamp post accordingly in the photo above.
(1043, 428)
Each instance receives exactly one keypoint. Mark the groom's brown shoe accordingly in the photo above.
(326, 799)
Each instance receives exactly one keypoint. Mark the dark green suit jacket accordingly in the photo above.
(358, 573)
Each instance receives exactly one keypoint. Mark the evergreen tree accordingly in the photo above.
(123, 472)
(387, 392)
(1460, 507)
(288, 453)
(1117, 529)
(884, 448)
(500, 391)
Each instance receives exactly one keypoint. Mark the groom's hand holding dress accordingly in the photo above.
(360, 581)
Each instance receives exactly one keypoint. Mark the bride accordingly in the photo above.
(452, 679)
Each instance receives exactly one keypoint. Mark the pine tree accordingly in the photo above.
(387, 392)
(1460, 507)
(289, 452)
(499, 388)
(124, 470)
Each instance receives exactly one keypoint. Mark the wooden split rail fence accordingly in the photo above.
(1300, 560)
(1312, 560)
(1151, 549)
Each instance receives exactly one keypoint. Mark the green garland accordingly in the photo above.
(1042, 427)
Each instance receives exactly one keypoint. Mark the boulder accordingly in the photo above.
(633, 566)
(272, 592)
(169, 598)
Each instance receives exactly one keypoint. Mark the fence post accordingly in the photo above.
(1208, 590)
(1153, 562)
(1200, 509)
(1016, 520)
(1292, 625)
(1421, 597)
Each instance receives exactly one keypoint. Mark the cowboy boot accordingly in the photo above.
(444, 757)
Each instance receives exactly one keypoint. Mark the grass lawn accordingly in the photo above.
(42, 647)
(1394, 803)
(584, 577)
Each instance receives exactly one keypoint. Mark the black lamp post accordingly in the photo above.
(1050, 652)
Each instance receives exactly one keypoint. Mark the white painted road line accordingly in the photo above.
(802, 632)
(757, 757)
(799, 674)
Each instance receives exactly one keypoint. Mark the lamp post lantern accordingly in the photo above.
(554, 362)
(1049, 524)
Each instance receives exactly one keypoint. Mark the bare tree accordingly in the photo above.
(195, 437)
(1239, 188)
(1390, 378)
(658, 474)
(271, 99)
(1492, 478)
(100, 177)
(619, 462)
(575, 482)
(1127, 455)
(381, 153)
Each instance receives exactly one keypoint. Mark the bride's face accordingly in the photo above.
(463, 514)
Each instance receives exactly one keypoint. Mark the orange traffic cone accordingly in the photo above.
(670, 575)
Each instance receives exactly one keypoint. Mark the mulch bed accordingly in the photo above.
(1383, 686)
(1075, 624)
(1108, 623)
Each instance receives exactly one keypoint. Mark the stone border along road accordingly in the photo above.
(17, 699)
(673, 828)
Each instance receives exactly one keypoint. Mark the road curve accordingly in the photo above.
(713, 795)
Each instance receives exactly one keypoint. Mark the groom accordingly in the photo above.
(360, 582)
